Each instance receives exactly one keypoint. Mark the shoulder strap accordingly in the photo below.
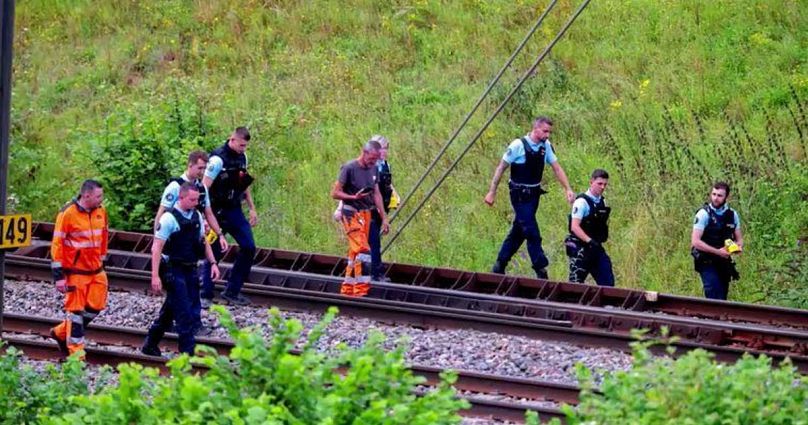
(525, 144)
(588, 200)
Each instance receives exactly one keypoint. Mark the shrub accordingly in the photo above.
(265, 383)
(140, 148)
(694, 389)
(26, 393)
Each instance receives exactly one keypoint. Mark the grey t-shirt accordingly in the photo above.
(354, 178)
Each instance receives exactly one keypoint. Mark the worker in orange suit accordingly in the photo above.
(357, 186)
(78, 249)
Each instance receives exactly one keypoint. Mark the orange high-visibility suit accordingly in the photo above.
(357, 226)
(78, 249)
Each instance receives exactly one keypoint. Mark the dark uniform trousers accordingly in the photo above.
(716, 274)
(586, 259)
(525, 203)
(375, 242)
(181, 285)
(233, 222)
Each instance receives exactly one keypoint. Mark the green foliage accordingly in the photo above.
(265, 383)
(666, 95)
(694, 389)
(26, 394)
(140, 148)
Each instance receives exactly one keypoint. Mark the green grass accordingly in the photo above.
(666, 95)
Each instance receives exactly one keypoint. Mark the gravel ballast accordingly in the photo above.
(464, 349)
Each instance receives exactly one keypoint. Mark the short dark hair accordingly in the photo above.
(187, 187)
(722, 185)
(542, 119)
(242, 133)
(195, 156)
(90, 185)
(599, 173)
(372, 145)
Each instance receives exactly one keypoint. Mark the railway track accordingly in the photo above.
(430, 307)
(496, 284)
(470, 382)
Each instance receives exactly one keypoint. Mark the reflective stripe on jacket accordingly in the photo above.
(79, 239)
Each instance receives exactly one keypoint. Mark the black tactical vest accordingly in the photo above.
(719, 227)
(199, 186)
(185, 246)
(228, 188)
(596, 224)
(531, 172)
(385, 184)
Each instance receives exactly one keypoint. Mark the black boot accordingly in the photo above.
(150, 350)
(541, 273)
(499, 267)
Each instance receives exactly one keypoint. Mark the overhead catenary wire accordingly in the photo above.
(488, 122)
(476, 106)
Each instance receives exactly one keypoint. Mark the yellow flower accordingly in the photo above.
(616, 104)
(759, 39)
(643, 86)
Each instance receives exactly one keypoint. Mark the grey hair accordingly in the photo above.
(381, 139)
(542, 119)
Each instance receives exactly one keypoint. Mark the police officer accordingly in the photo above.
(526, 157)
(388, 194)
(589, 229)
(197, 161)
(229, 183)
(179, 244)
(714, 225)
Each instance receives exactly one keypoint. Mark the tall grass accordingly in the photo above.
(666, 95)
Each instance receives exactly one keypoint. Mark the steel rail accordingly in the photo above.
(466, 381)
(496, 284)
(787, 340)
(480, 407)
(768, 340)
(430, 307)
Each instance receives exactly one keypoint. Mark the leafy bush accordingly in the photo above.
(141, 147)
(694, 389)
(264, 383)
(26, 393)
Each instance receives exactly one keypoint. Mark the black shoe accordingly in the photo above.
(542, 274)
(150, 351)
(62, 344)
(202, 330)
(499, 267)
(236, 299)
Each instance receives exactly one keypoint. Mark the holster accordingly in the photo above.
(572, 246)
(166, 275)
(520, 193)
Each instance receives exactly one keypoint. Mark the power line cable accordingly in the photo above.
(488, 89)
(499, 109)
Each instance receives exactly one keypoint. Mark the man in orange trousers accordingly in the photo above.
(357, 186)
(78, 250)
